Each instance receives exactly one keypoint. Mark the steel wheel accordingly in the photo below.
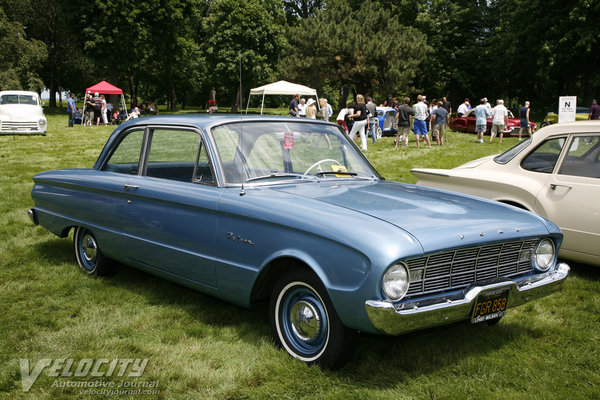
(305, 324)
(88, 254)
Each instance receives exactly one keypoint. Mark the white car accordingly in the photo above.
(555, 174)
(21, 112)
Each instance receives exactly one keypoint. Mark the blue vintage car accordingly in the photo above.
(289, 210)
(386, 117)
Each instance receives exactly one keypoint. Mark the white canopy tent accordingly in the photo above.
(281, 88)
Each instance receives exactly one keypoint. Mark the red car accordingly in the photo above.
(467, 124)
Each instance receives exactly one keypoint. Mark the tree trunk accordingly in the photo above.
(343, 99)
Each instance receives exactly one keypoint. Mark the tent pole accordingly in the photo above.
(248, 105)
(262, 104)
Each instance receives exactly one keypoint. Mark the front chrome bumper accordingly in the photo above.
(394, 319)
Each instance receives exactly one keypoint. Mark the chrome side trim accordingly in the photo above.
(395, 319)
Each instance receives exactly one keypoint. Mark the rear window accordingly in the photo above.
(512, 152)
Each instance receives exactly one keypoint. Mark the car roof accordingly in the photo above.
(18, 92)
(206, 120)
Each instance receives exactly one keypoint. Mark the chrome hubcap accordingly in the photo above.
(90, 249)
(305, 320)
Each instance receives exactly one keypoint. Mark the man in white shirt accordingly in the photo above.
(499, 120)
(418, 121)
(463, 109)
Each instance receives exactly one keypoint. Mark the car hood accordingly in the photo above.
(20, 112)
(437, 219)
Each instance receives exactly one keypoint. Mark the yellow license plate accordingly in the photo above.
(490, 305)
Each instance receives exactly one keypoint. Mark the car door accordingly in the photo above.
(571, 195)
(170, 218)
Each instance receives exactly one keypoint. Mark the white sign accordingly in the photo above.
(567, 107)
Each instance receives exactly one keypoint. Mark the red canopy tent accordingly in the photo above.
(106, 88)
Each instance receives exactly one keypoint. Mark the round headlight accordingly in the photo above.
(544, 255)
(42, 123)
(395, 282)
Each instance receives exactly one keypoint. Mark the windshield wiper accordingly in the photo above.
(348, 173)
(276, 175)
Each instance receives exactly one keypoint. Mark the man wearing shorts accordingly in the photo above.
(524, 117)
(439, 118)
(481, 114)
(419, 124)
(499, 120)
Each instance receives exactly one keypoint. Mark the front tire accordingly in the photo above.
(305, 323)
(88, 254)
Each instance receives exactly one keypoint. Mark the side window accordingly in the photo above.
(126, 158)
(173, 154)
(583, 157)
(544, 157)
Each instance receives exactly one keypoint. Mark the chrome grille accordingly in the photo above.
(9, 126)
(460, 268)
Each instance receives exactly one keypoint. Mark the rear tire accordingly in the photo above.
(88, 254)
(305, 323)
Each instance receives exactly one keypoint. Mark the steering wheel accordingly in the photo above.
(318, 163)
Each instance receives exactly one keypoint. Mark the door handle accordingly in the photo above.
(129, 188)
(553, 186)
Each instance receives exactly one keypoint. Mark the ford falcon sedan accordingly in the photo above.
(290, 211)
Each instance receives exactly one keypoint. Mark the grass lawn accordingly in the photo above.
(199, 347)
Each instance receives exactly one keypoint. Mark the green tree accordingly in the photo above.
(549, 54)
(20, 57)
(361, 46)
(242, 35)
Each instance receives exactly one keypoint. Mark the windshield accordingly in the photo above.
(18, 99)
(277, 150)
(512, 152)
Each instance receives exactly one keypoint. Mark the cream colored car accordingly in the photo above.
(21, 112)
(555, 174)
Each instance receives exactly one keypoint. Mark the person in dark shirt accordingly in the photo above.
(594, 110)
(403, 122)
(447, 105)
(360, 121)
(97, 107)
(294, 106)
(524, 116)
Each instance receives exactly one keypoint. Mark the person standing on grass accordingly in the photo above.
(71, 109)
(89, 111)
(97, 107)
(360, 121)
(418, 121)
(439, 117)
(403, 119)
(524, 116)
(294, 106)
(499, 120)
(103, 111)
(481, 114)
(373, 121)
(302, 107)
(447, 105)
